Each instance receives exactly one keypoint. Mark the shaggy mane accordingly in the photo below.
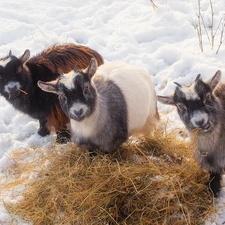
(65, 57)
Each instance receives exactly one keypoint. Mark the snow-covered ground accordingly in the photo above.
(163, 39)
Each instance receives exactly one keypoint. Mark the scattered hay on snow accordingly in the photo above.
(145, 182)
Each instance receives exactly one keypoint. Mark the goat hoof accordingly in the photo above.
(216, 194)
(63, 137)
(214, 190)
(43, 131)
(92, 154)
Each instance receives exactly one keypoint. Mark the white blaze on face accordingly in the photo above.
(11, 85)
(190, 93)
(199, 117)
(3, 63)
(67, 79)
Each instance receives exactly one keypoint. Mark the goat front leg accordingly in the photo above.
(215, 183)
(43, 130)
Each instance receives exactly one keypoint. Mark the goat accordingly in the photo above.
(201, 107)
(18, 83)
(107, 106)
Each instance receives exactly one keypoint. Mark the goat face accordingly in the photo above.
(14, 78)
(196, 104)
(77, 96)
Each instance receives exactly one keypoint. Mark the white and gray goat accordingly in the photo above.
(201, 106)
(107, 106)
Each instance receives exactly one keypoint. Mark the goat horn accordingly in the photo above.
(177, 84)
(10, 53)
(198, 77)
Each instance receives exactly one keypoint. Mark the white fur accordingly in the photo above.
(67, 79)
(190, 93)
(85, 129)
(89, 126)
(78, 106)
(11, 85)
(3, 63)
(198, 116)
(138, 90)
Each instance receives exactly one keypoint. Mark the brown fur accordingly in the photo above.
(57, 119)
(220, 91)
(64, 57)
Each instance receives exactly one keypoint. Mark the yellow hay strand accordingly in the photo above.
(145, 182)
(23, 91)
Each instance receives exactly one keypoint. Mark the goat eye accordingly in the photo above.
(208, 98)
(19, 69)
(62, 97)
(182, 107)
(86, 89)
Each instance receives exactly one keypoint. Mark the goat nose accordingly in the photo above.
(13, 89)
(200, 123)
(78, 112)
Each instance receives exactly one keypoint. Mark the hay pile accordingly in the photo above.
(151, 182)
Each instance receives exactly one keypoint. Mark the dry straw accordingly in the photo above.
(153, 182)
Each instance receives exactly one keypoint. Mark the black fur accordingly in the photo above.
(68, 97)
(215, 183)
(23, 74)
(34, 102)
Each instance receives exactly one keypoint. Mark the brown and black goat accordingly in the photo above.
(18, 83)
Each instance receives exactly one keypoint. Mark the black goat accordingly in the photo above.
(18, 83)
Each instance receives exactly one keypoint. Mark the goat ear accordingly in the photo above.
(198, 77)
(91, 70)
(215, 80)
(178, 85)
(168, 100)
(25, 56)
(48, 86)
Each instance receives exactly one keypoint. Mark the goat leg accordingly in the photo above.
(43, 130)
(215, 183)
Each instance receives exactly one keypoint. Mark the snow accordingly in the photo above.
(164, 40)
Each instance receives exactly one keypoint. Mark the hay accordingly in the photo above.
(145, 182)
